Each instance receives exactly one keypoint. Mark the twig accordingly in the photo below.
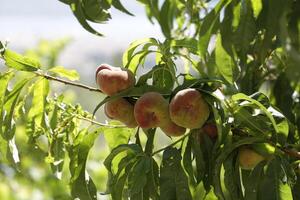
(80, 85)
(99, 123)
(172, 144)
(290, 152)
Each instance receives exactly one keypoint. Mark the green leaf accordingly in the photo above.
(271, 186)
(137, 178)
(82, 186)
(69, 74)
(283, 131)
(189, 43)
(283, 92)
(12, 98)
(246, 30)
(152, 185)
(78, 12)
(231, 178)
(225, 63)
(38, 104)
(4, 80)
(117, 136)
(209, 26)
(128, 54)
(128, 148)
(200, 191)
(95, 10)
(166, 17)
(187, 162)
(257, 7)
(118, 5)
(274, 10)
(19, 62)
(225, 152)
(162, 77)
(251, 186)
(173, 180)
(211, 195)
(137, 59)
(123, 165)
(57, 152)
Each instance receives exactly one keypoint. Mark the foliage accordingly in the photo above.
(242, 55)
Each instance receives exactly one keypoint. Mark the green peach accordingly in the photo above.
(248, 158)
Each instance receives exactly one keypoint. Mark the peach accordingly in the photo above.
(210, 129)
(248, 158)
(112, 80)
(188, 109)
(172, 130)
(152, 110)
(120, 109)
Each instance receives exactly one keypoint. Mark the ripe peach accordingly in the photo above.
(172, 130)
(152, 110)
(248, 158)
(188, 109)
(211, 130)
(112, 80)
(120, 109)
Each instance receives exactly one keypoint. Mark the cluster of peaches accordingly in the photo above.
(187, 109)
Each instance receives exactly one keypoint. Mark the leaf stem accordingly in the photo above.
(170, 145)
(80, 85)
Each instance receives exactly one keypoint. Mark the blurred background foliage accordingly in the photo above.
(34, 178)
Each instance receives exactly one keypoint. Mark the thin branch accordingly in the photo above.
(292, 153)
(99, 123)
(170, 145)
(49, 77)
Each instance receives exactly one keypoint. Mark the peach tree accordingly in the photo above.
(224, 89)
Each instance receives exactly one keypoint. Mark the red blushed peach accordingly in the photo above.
(112, 80)
(211, 130)
(120, 109)
(172, 130)
(151, 110)
(188, 109)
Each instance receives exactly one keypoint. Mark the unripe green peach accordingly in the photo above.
(188, 109)
(151, 110)
(112, 80)
(248, 158)
(120, 109)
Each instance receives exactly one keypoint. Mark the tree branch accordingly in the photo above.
(290, 152)
(49, 77)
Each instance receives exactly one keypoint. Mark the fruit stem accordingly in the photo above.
(80, 85)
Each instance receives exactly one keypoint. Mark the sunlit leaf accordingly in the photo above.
(19, 62)
(69, 74)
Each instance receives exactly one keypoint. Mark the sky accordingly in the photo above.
(24, 23)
